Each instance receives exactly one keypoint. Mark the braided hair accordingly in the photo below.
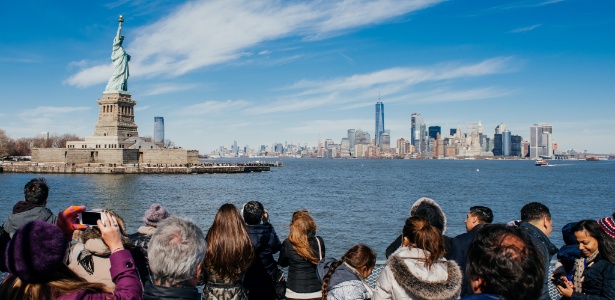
(359, 257)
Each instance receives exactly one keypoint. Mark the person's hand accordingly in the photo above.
(110, 231)
(68, 221)
(265, 217)
(566, 291)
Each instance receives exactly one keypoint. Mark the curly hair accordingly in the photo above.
(507, 262)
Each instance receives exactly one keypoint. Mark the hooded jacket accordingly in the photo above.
(428, 208)
(38, 213)
(344, 282)
(405, 277)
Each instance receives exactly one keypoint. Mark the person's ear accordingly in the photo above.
(405, 241)
(476, 284)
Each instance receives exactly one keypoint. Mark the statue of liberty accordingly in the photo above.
(119, 80)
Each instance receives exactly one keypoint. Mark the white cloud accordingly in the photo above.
(201, 34)
(168, 88)
(141, 108)
(525, 29)
(213, 107)
(50, 111)
(394, 84)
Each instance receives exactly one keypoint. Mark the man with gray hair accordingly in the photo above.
(175, 253)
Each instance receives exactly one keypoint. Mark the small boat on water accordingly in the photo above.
(592, 158)
(541, 162)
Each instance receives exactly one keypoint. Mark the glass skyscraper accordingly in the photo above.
(379, 122)
(159, 130)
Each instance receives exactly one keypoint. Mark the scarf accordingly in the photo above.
(22, 206)
(579, 268)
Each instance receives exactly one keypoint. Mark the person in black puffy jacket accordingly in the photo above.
(263, 271)
(301, 252)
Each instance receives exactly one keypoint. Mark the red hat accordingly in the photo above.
(608, 226)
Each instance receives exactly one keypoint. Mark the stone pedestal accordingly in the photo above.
(116, 117)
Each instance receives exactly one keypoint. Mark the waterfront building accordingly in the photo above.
(385, 141)
(541, 141)
(159, 131)
(453, 131)
(506, 147)
(351, 139)
(416, 123)
(116, 138)
(362, 137)
(497, 144)
(403, 147)
(434, 131)
(379, 130)
(516, 146)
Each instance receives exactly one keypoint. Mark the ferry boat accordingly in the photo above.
(592, 158)
(541, 162)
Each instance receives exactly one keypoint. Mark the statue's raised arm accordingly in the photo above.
(119, 80)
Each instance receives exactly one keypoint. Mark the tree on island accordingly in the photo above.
(23, 146)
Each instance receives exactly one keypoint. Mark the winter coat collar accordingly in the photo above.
(152, 291)
(442, 281)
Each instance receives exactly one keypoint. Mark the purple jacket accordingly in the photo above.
(125, 277)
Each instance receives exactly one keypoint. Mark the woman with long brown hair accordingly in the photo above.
(228, 255)
(301, 252)
(417, 270)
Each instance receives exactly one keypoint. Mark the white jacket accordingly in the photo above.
(406, 277)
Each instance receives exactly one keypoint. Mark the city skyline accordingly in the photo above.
(266, 71)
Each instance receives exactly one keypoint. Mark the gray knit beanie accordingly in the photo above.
(154, 214)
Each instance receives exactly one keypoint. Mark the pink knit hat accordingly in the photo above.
(608, 226)
(155, 214)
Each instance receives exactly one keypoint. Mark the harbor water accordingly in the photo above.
(353, 201)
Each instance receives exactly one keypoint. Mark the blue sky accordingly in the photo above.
(259, 72)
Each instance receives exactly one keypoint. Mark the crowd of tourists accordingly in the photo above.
(49, 256)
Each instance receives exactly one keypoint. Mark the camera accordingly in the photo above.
(89, 217)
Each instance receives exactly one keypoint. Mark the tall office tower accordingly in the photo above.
(434, 131)
(385, 141)
(500, 128)
(351, 139)
(235, 149)
(379, 122)
(159, 130)
(362, 137)
(541, 141)
(506, 147)
(417, 132)
(497, 144)
(453, 131)
(516, 146)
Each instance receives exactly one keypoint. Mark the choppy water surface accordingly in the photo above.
(351, 200)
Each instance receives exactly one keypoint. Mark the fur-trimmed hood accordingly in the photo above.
(406, 277)
(431, 210)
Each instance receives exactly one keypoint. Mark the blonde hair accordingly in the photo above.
(302, 228)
